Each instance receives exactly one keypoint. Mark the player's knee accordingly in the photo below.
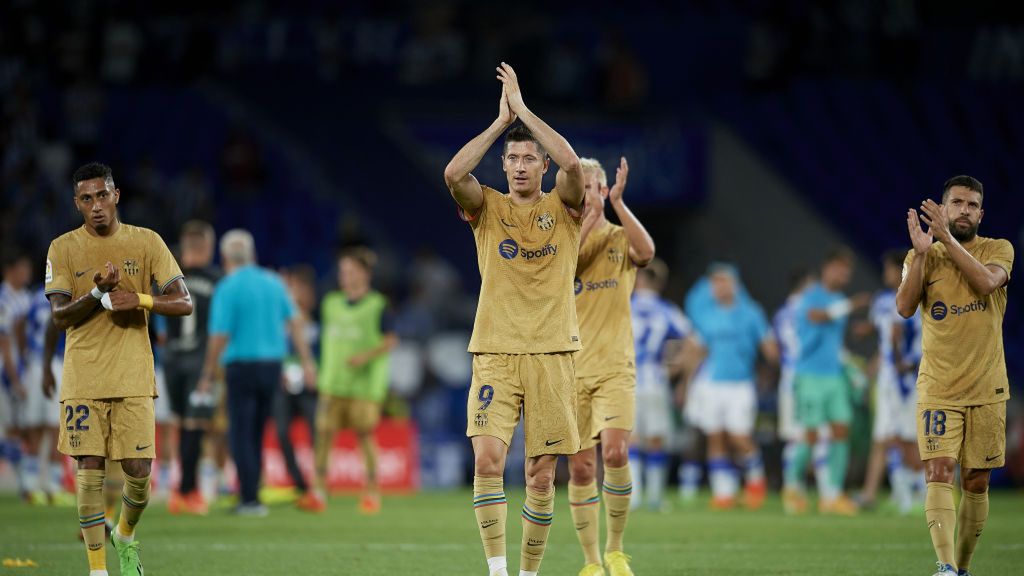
(91, 463)
(582, 470)
(137, 467)
(940, 470)
(487, 463)
(542, 480)
(975, 481)
(615, 454)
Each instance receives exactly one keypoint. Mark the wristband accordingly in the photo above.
(96, 292)
(839, 309)
(145, 301)
(105, 301)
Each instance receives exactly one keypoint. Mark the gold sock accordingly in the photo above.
(91, 517)
(135, 498)
(585, 506)
(971, 521)
(618, 489)
(491, 510)
(940, 512)
(538, 512)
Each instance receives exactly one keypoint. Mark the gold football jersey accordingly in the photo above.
(108, 355)
(604, 284)
(963, 362)
(527, 257)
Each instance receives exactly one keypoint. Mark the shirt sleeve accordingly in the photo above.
(165, 269)
(58, 279)
(475, 219)
(1001, 256)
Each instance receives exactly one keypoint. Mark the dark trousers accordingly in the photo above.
(251, 390)
(286, 407)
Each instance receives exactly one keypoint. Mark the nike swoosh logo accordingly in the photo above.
(607, 418)
(141, 448)
(932, 282)
(550, 443)
(991, 458)
(507, 224)
(80, 274)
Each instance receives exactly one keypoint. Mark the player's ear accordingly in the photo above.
(547, 164)
(117, 196)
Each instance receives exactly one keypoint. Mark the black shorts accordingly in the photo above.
(182, 376)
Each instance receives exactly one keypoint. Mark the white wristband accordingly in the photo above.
(839, 309)
(96, 292)
(105, 301)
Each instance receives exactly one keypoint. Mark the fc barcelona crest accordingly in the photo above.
(131, 267)
(545, 221)
(615, 255)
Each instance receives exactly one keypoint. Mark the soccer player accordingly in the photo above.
(108, 383)
(15, 300)
(526, 329)
(358, 336)
(605, 367)
(657, 323)
(183, 363)
(959, 280)
(821, 392)
(890, 420)
(37, 417)
(732, 329)
(298, 397)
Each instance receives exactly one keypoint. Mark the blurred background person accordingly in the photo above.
(297, 399)
(357, 338)
(251, 315)
(183, 355)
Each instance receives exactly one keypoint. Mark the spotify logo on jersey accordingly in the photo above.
(508, 249)
(939, 310)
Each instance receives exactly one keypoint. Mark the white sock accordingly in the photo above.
(826, 490)
(720, 478)
(98, 573)
(689, 480)
(657, 477)
(527, 573)
(497, 565)
(29, 472)
(636, 467)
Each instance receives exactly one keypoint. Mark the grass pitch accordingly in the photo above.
(435, 534)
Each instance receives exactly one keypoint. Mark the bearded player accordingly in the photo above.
(959, 280)
(526, 329)
(605, 371)
(99, 281)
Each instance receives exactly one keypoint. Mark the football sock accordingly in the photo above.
(971, 521)
(720, 476)
(940, 512)
(91, 516)
(838, 460)
(585, 506)
(538, 511)
(636, 464)
(191, 443)
(657, 476)
(491, 509)
(135, 498)
(618, 487)
(797, 468)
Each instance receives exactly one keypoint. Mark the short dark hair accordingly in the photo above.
(966, 181)
(93, 170)
(198, 230)
(364, 256)
(895, 257)
(303, 273)
(520, 133)
(837, 253)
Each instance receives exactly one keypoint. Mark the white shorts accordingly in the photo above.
(37, 410)
(789, 429)
(726, 407)
(653, 414)
(895, 410)
(162, 406)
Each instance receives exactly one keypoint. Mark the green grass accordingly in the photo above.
(436, 534)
